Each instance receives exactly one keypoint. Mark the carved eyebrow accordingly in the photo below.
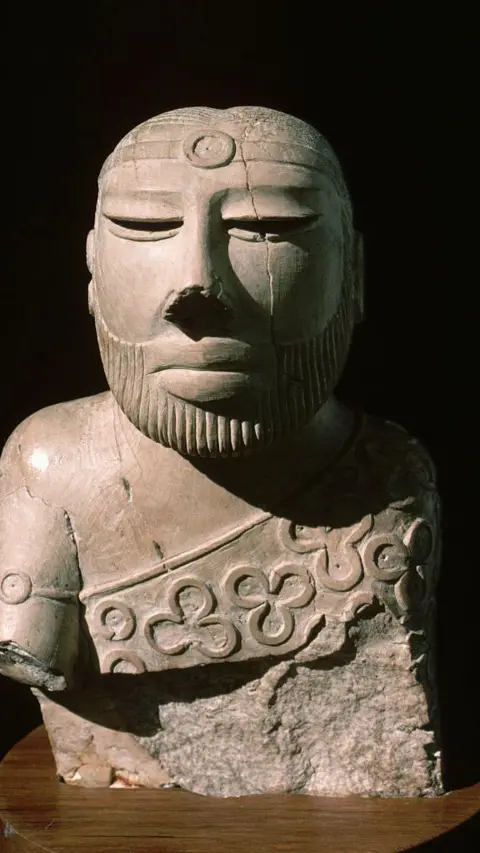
(289, 188)
(142, 205)
(285, 217)
(156, 196)
(290, 202)
(279, 191)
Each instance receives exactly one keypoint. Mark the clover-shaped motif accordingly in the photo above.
(113, 620)
(337, 564)
(189, 621)
(269, 598)
(388, 558)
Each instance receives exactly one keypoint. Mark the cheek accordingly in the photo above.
(249, 263)
(132, 281)
(306, 288)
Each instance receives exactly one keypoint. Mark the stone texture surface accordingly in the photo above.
(355, 723)
(215, 575)
(341, 729)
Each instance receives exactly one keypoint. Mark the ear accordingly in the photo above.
(90, 265)
(91, 308)
(90, 250)
(359, 274)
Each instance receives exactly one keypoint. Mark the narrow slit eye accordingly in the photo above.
(262, 227)
(155, 226)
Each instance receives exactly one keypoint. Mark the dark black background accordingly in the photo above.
(394, 93)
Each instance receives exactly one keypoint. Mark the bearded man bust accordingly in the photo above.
(215, 575)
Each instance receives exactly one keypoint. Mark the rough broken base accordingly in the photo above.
(357, 723)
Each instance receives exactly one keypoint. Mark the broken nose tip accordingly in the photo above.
(197, 310)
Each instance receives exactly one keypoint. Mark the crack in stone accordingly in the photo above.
(72, 534)
(270, 281)
(248, 128)
(115, 436)
(34, 497)
(128, 489)
(13, 492)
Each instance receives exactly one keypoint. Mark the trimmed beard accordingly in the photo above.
(306, 376)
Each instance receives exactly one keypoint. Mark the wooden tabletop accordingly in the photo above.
(38, 812)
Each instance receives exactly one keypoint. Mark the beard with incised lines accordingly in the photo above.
(307, 372)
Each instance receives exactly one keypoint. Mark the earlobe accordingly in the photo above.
(90, 250)
(359, 275)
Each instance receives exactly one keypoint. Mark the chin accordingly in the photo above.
(213, 429)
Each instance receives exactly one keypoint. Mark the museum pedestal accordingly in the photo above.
(39, 813)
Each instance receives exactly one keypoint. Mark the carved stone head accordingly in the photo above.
(226, 277)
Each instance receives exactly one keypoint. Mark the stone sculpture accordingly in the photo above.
(215, 575)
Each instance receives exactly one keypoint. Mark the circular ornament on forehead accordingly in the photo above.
(209, 150)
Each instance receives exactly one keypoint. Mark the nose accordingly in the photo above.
(197, 312)
(197, 307)
(197, 264)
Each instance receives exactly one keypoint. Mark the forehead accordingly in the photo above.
(183, 157)
(182, 178)
(221, 141)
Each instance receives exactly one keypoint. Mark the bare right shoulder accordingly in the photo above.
(47, 450)
(45, 460)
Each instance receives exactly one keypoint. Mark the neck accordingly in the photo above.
(267, 477)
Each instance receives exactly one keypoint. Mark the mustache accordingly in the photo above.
(209, 353)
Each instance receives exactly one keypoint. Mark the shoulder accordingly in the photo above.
(388, 451)
(58, 430)
(386, 474)
(400, 482)
(57, 441)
